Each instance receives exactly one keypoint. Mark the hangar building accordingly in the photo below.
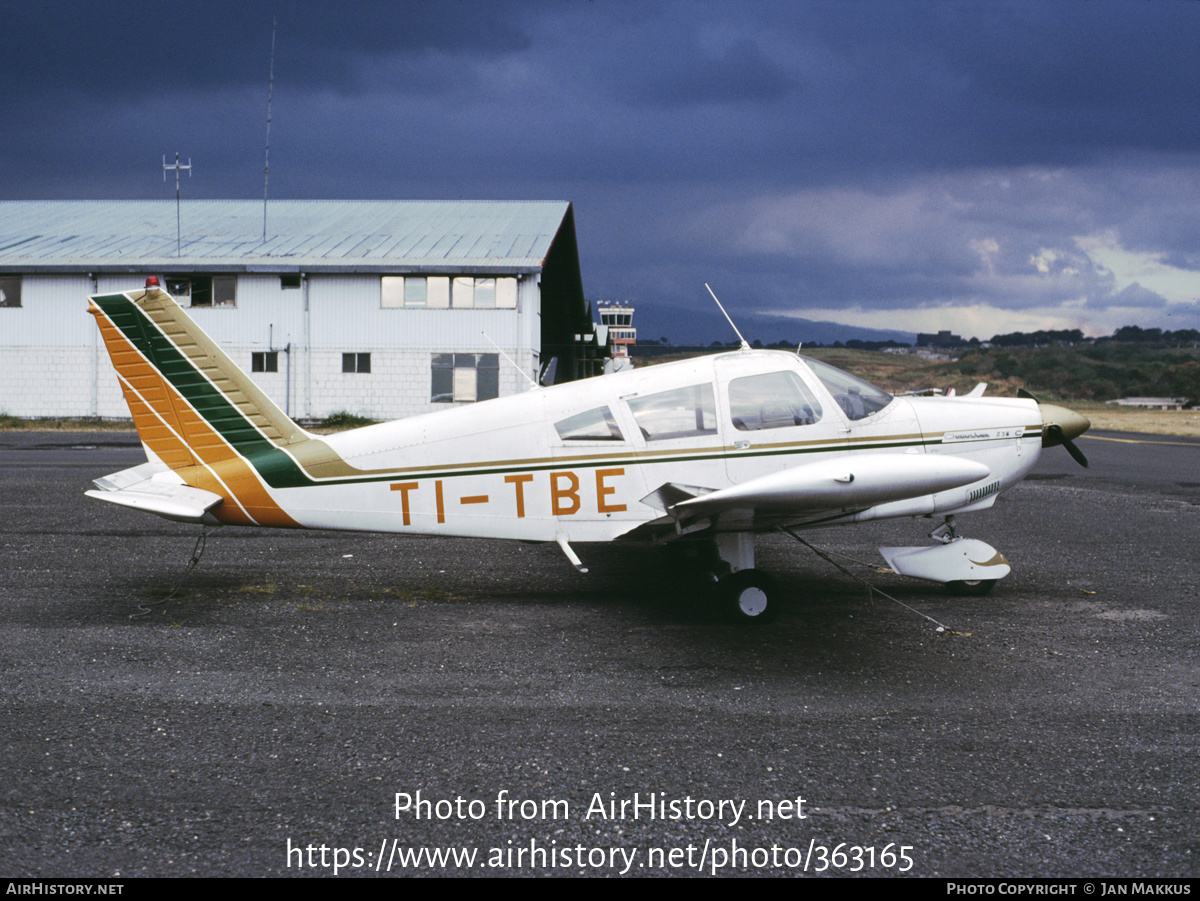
(378, 308)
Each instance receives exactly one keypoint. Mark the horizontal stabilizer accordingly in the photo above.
(846, 483)
(167, 499)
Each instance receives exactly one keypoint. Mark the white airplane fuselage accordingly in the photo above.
(501, 469)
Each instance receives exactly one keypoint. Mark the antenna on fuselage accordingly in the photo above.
(745, 346)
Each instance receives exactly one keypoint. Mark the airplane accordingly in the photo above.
(712, 450)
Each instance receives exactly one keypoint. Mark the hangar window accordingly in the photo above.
(356, 363)
(494, 293)
(203, 290)
(264, 361)
(443, 292)
(775, 400)
(462, 293)
(398, 291)
(594, 425)
(464, 378)
(10, 291)
(290, 280)
(681, 413)
(437, 292)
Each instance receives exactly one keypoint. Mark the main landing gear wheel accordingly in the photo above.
(748, 596)
(971, 588)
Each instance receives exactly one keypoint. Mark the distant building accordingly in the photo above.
(941, 339)
(925, 354)
(1152, 403)
(379, 308)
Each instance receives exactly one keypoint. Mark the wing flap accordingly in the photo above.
(670, 494)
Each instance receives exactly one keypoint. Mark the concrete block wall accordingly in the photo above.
(49, 381)
(53, 364)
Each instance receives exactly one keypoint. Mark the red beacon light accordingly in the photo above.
(152, 281)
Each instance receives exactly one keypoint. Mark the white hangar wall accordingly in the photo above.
(304, 311)
(54, 363)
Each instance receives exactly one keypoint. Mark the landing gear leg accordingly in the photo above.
(946, 532)
(747, 595)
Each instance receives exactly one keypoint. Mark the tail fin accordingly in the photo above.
(196, 410)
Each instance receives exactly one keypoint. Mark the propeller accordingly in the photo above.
(1060, 426)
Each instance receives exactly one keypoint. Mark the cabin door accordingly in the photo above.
(774, 420)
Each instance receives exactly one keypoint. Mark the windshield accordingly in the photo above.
(858, 399)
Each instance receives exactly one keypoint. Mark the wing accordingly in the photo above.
(819, 490)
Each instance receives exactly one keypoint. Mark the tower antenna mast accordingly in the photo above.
(267, 151)
(177, 167)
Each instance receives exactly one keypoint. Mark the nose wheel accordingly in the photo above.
(748, 596)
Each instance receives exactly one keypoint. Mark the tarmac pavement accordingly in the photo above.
(310, 702)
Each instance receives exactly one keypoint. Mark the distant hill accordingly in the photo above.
(703, 326)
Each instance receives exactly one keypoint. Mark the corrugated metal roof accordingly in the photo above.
(302, 235)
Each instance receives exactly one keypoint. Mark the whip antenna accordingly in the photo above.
(745, 346)
(267, 152)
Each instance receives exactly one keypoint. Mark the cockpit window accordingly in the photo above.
(858, 399)
(682, 413)
(594, 425)
(775, 400)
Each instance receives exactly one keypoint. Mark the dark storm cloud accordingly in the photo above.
(914, 84)
(758, 92)
(131, 49)
(1009, 83)
(694, 76)
(889, 156)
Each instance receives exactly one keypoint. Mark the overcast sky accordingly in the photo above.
(983, 167)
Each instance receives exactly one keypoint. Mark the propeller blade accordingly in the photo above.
(1075, 452)
(1055, 434)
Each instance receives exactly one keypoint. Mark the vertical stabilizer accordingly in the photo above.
(195, 409)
